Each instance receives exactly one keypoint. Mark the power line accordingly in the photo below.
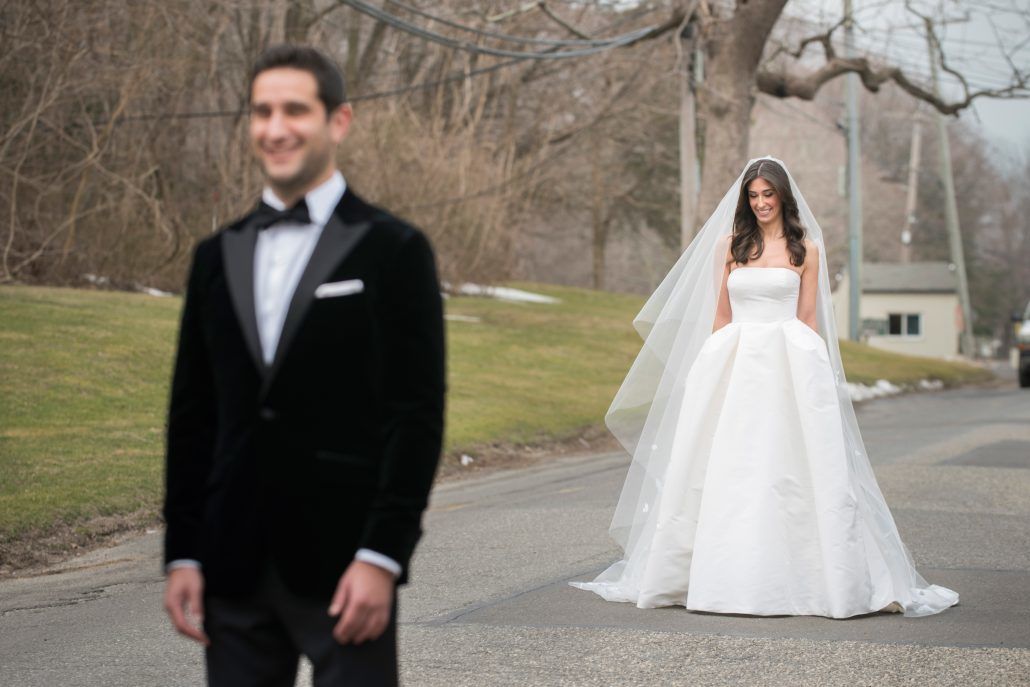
(398, 23)
(501, 186)
(425, 85)
(917, 45)
(912, 54)
(910, 57)
(910, 65)
(783, 101)
(498, 36)
(913, 64)
(913, 68)
(989, 6)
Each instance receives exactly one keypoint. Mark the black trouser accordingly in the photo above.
(257, 641)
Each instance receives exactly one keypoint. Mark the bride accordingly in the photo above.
(750, 490)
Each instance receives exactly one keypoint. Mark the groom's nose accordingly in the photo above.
(276, 124)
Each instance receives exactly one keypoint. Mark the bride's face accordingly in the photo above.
(764, 201)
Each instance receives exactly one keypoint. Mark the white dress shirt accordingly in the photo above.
(280, 256)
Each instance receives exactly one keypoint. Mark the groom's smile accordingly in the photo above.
(293, 137)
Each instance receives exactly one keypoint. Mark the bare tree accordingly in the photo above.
(744, 55)
(123, 133)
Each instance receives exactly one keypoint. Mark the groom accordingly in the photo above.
(306, 409)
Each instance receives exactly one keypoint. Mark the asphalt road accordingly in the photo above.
(490, 604)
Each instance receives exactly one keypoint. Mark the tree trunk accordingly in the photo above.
(733, 51)
(600, 244)
(300, 14)
(724, 108)
(599, 219)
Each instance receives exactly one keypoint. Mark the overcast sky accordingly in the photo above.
(976, 37)
(975, 41)
(1004, 122)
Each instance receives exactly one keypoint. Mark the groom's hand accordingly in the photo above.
(184, 602)
(363, 600)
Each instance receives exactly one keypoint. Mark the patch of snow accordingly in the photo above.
(150, 291)
(98, 280)
(95, 279)
(505, 293)
(886, 387)
(462, 318)
(466, 460)
(861, 392)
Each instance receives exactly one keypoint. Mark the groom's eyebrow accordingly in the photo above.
(290, 106)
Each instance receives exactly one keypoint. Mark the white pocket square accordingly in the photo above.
(340, 288)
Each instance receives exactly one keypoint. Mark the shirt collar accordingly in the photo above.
(321, 200)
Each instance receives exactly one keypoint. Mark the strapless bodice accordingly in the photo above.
(763, 294)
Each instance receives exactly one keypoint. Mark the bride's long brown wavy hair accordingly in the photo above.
(747, 243)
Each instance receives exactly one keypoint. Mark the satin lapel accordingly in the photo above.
(238, 255)
(338, 239)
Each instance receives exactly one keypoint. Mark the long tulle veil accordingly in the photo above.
(674, 323)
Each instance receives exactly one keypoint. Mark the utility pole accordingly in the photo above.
(951, 213)
(854, 187)
(691, 74)
(913, 188)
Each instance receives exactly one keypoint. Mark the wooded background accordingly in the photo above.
(123, 132)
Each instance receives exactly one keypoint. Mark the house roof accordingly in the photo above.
(913, 277)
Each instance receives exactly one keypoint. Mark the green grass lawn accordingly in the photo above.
(84, 378)
(528, 372)
(865, 365)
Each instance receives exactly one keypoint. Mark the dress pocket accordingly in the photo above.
(805, 338)
(715, 338)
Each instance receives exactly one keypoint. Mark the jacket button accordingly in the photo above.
(268, 414)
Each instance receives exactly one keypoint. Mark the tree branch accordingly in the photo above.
(527, 7)
(805, 86)
(825, 39)
(679, 16)
(561, 22)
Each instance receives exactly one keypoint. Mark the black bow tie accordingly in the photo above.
(266, 215)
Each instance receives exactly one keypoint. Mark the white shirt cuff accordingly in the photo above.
(182, 563)
(379, 560)
(364, 555)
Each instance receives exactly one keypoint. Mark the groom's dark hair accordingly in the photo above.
(330, 82)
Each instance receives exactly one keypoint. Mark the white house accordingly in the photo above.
(908, 308)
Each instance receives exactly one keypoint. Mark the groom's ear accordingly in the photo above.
(339, 122)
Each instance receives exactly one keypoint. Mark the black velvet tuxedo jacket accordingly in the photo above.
(331, 448)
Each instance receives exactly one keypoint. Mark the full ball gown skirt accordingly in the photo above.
(758, 513)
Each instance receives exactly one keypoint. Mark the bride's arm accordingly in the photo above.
(723, 313)
(809, 286)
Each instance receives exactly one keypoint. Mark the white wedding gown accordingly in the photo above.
(758, 513)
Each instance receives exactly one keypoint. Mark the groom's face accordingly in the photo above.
(293, 137)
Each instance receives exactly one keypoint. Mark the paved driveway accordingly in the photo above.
(490, 605)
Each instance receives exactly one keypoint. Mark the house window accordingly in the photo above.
(904, 324)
